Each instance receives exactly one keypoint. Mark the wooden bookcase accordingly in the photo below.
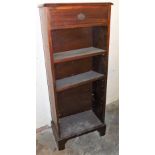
(76, 47)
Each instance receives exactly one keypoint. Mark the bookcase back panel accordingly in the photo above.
(70, 39)
(71, 68)
(74, 100)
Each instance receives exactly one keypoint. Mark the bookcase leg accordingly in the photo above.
(102, 131)
(61, 144)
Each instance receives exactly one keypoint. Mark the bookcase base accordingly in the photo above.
(61, 141)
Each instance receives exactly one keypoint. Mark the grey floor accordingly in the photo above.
(89, 144)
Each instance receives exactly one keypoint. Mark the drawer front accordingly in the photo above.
(78, 16)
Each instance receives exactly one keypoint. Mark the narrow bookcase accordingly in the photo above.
(76, 47)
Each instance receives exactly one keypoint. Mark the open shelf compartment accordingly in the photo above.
(78, 123)
(77, 54)
(76, 80)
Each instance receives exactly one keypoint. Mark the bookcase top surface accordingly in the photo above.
(72, 4)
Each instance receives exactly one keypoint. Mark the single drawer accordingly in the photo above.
(80, 16)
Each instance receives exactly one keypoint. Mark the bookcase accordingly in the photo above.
(76, 49)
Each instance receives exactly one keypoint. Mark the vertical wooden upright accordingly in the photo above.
(76, 49)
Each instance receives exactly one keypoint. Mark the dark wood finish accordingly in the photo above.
(71, 68)
(51, 5)
(76, 45)
(67, 17)
(71, 39)
(75, 100)
(99, 87)
(49, 65)
(100, 37)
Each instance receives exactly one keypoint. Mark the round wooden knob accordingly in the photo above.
(81, 16)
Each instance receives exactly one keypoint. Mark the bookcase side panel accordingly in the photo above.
(48, 63)
(105, 64)
(100, 64)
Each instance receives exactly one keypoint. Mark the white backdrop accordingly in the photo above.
(43, 116)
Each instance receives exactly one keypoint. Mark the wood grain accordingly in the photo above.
(71, 68)
(49, 65)
(66, 17)
(76, 70)
(70, 39)
(74, 100)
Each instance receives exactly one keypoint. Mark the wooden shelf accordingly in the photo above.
(77, 80)
(78, 123)
(77, 54)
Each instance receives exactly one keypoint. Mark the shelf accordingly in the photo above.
(78, 123)
(77, 54)
(77, 80)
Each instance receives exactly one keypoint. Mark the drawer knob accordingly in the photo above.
(81, 16)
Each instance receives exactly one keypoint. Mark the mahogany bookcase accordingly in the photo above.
(76, 47)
